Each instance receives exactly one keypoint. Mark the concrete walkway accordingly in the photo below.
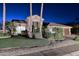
(60, 48)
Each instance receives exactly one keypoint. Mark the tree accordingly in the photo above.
(4, 18)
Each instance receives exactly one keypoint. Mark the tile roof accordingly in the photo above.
(56, 24)
(35, 17)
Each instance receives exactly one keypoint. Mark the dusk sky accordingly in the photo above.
(53, 12)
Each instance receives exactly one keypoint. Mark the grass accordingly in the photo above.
(22, 42)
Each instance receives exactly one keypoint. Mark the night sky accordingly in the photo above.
(53, 12)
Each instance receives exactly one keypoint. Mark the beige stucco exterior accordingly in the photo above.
(34, 19)
(50, 27)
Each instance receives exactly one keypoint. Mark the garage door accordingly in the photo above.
(66, 31)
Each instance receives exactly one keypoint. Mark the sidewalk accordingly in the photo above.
(76, 53)
(60, 48)
(57, 51)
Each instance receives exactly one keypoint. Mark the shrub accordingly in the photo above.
(76, 38)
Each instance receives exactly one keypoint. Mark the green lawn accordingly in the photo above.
(22, 42)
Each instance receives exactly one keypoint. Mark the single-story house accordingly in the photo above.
(19, 26)
(66, 30)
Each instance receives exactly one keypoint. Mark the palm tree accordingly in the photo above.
(30, 21)
(4, 17)
(41, 14)
(40, 17)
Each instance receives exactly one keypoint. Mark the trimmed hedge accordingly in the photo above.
(58, 34)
